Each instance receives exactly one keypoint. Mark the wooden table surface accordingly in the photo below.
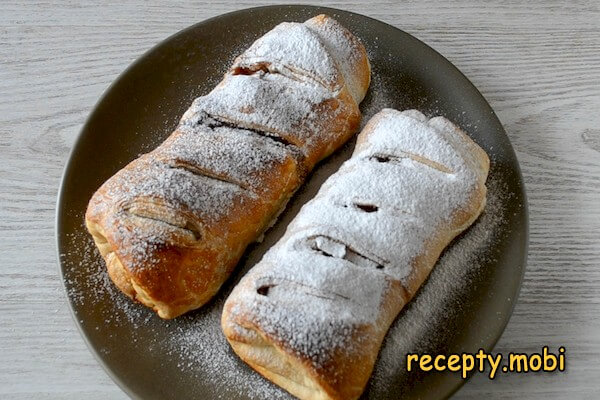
(537, 64)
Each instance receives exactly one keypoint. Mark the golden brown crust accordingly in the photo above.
(348, 48)
(343, 376)
(312, 315)
(173, 224)
(177, 270)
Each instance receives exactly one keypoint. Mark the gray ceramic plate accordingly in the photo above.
(464, 305)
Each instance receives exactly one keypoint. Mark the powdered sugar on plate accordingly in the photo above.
(427, 320)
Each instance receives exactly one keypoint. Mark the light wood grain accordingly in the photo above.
(538, 63)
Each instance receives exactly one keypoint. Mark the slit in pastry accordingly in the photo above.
(263, 68)
(274, 286)
(368, 207)
(206, 173)
(334, 248)
(213, 121)
(385, 158)
(163, 215)
(362, 206)
(263, 290)
(251, 69)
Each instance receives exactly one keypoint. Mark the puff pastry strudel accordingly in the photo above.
(173, 223)
(312, 314)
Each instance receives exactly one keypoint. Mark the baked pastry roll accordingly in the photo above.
(312, 314)
(173, 224)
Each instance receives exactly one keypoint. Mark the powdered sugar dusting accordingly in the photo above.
(199, 350)
(202, 350)
(293, 45)
(268, 102)
(200, 174)
(194, 343)
(344, 47)
(312, 299)
(236, 155)
(186, 199)
(88, 284)
(428, 320)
